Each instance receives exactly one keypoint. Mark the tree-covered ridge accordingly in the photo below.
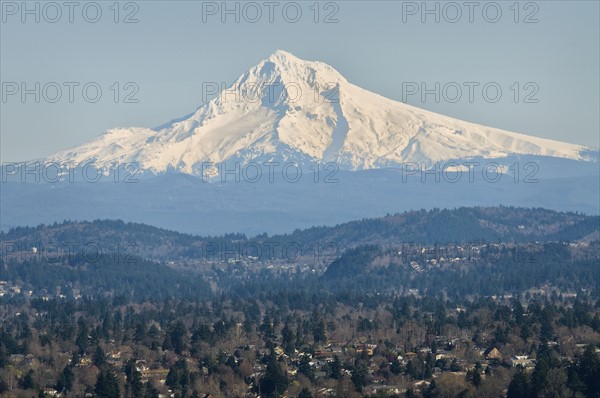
(492, 271)
(493, 224)
(130, 278)
(461, 225)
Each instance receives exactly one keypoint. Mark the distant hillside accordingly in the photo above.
(491, 224)
(489, 271)
(103, 276)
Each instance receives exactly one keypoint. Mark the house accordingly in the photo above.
(323, 353)
(443, 355)
(369, 348)
(421, 383)
(279, 351)
(522, 361)
(16, 358)
(154, 374)
(386, 390)
(326, 392)
(492, 353)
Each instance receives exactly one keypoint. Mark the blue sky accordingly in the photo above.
(381, 46)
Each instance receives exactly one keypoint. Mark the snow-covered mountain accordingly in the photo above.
(286, 108)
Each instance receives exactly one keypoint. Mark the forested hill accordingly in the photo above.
(491, 224)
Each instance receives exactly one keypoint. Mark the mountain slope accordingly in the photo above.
(286, 109)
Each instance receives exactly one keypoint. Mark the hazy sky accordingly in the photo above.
(382, 46)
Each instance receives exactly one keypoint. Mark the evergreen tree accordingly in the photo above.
(27, 382)
(150, 391)
(588, 371)
(107, 385)
(359, 376)
(134, 379)
(99, 358)
(3, 386)
(319, 332)
(167, 344)
(336, 368)
(65, 380)
(178, 334)
(3, 356)
(288, 338)
(275, 382)
(520, 386)
(474, 377)
(305, 393)
(305, 368)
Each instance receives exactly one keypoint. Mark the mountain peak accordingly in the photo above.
(284, 67)
(282, 55)
(286, 108)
